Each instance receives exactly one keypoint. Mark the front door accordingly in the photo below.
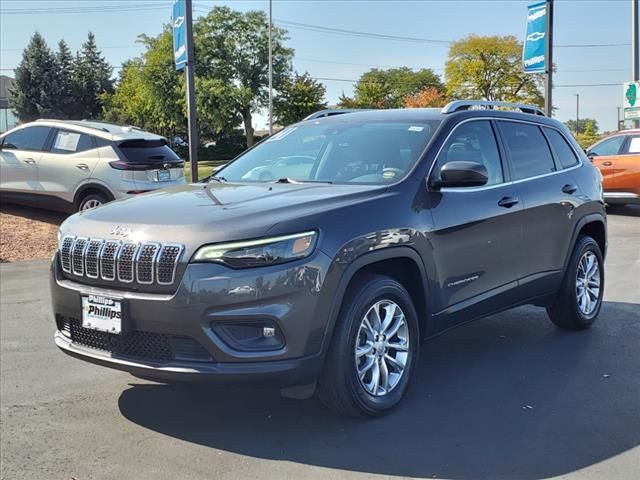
(477, 230)
(20, 154)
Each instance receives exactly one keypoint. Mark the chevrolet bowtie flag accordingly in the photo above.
(179, 34)
(534, 53)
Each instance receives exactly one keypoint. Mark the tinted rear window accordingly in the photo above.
(148, 151)
(563, 151)
(528, 150)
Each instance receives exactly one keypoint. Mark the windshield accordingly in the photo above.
(345, 152)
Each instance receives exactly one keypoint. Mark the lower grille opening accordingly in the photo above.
(134, 344)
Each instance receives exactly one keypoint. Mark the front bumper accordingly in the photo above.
(210, 301)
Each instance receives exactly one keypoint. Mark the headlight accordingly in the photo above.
(258, 253)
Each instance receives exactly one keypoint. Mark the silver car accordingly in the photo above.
(77, 165)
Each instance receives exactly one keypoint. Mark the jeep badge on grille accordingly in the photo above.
(120, 231)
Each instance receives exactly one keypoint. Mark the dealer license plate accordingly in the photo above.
(102, 313)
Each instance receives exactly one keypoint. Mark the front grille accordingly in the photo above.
(145, 263)
(139, 344)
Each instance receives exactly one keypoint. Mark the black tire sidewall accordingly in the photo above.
(381, 289)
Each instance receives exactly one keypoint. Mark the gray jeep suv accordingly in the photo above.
(324, 256)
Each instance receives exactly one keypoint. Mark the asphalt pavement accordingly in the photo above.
(507, 397)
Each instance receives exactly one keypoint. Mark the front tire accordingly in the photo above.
(580, 297)
(374, 349)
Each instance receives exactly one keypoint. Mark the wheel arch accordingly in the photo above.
(88, 189)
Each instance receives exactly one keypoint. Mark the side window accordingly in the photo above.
(528, 150)
(634, 144)
(72, 142)
(562, 149)
(610, 146)
(474, 142)
(29, 138)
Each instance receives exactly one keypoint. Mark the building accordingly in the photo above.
(8, 119)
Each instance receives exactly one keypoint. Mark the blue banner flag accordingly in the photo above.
(534, 52)
(180, 34)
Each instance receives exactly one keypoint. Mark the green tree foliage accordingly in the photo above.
(67, 89)
(588, 126)
(490, 68)
(35, 89)
(388, 88)
(92, 77)
(232, 59)
(150, 93)
(299, 97)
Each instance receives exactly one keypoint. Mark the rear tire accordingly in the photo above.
(579, 299)
(93, 200)
(366, 347)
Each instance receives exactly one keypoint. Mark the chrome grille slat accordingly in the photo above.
(91, 265)
(167, 262)
(77, 255)
(145, 260)
(108, 257)
(114, 260)
(126, 261)
(65, 253)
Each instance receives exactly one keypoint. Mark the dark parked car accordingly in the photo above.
(402, 224)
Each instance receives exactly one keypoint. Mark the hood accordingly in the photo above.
(196, 214)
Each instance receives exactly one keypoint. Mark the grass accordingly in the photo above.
(204, 168)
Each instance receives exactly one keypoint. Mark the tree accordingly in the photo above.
(67, 88)
(232, 48)
(427, 97)
(92, 76)
(35, 89)
(588, 126)
(490, 68)
(150, 93)
(388, 88)
(299, 97)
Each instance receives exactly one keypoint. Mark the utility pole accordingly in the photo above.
(191, 96)
(270, 71)
(548, 83)
(577, 112)
(635, 62)
(618, 124)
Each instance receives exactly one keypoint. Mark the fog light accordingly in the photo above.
(268, 332)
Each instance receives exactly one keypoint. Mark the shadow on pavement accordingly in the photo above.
(38, 214)
(507, 397)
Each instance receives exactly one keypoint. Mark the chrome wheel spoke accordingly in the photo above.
(395, 364)
(375, 378)
(401, 347)
(390, 311)
(364, 349)
(384, 376)
(366, 367)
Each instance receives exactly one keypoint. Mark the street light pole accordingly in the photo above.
(270, 71)
(618, 124)
(577, 112)
(191, 96)
(548, 84)
(635, 62)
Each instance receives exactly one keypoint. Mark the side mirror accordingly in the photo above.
(461, 174)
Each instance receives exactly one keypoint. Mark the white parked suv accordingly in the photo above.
(77, 165)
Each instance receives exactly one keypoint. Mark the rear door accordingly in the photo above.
(548, 192)
(477, 230)
(67, 163)
(21, 152)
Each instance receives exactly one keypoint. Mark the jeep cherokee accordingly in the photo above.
(326, 254)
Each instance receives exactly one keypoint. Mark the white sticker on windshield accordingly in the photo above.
(281, 134)
(67, 141)
(415, 129)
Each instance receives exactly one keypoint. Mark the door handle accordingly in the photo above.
(83, 166)
(570, 189)
(29, 161)
(508, 202)
(607, 164)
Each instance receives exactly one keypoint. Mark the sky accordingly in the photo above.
(340, 59)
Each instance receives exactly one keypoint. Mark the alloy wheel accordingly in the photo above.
(382, 348)
(588, 283)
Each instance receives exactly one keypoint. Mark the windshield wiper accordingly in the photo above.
(218, 179)
(285, 180)
(290, 180)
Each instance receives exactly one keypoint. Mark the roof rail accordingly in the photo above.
(459, 105)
